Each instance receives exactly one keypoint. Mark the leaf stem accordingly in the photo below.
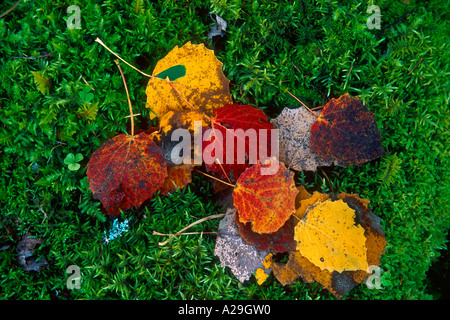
(128, 97)
(104, 45)
(231, 185)
(315, 115)
(9, 10)
(179, 93)
(214, 216)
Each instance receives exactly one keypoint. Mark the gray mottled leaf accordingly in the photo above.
(295, 138)
(234, 252)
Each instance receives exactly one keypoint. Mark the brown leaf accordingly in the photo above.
(337, 283)
(281, 240)
(25, 250)
(346, 133)
(178, 177)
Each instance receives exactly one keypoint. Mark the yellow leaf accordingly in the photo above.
(174, 120)
(305, 202)
(197, 77)
(328, 237)
(260, 276)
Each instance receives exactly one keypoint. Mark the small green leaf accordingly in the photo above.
(79, 157)
(71, 161)
(173, 73)
(74, 166)
(86, 95)
(70, 158)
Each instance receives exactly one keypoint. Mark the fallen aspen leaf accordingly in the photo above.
(302, 194)
(25, 254)
(246, 138)
(295, 139)
(281, 240)
(338, 283)
(328, 237)
(346, 133)
(267, 201)
(187, 78)
(177, 178)
(313, 199)
(233, 252)
(125, 171)
(171, 122)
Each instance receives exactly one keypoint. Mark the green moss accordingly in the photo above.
(73, 100)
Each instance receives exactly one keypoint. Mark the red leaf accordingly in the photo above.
(242, 116)
(228, 119)
(125, 172)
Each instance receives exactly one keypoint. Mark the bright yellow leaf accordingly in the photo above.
(328, 237)
(188, 78)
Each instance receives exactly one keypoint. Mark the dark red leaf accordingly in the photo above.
(346, 133)
(126, 171)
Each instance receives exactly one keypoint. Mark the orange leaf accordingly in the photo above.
(267, 201)
(125, 172)
(303, 194)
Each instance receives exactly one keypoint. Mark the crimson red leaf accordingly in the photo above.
(247, 147)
